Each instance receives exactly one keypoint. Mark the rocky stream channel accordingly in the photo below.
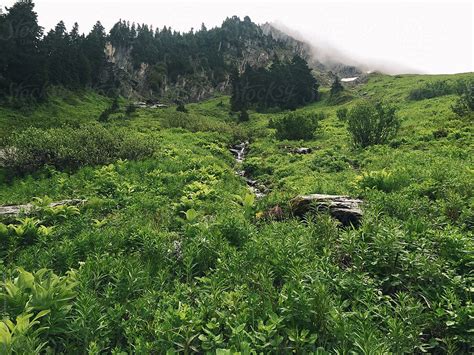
(239, 151)
(345, 209)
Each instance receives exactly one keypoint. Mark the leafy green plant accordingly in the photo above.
(341, 113)
(21, 337)
(371, 124)
(464, 105)
(28, 230)
(38, 291)
(247, 202)
(43, 292)
(71, 148)
(51, 213)
(191, 215)
(382, 180)
(431, 89)
(295, 125)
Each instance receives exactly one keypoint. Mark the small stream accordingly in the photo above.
(240, 151)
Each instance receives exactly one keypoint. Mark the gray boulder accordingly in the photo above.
(343, 208)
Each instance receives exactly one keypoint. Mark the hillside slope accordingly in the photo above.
(170, 251)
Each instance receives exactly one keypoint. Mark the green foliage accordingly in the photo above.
(341, 113)
(19, 337)
(382, 180)
(244, 116)
(336, 88)
(71, 148)
(283, 85)
(371, 124)
(432, 89)
(294, 125)
(465, 103)
(43, 293)
(171, 257)
(130, 110)
(247, 202)
(113, 108)
(181, 108)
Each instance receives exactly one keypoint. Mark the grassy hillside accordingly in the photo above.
(170, 252)
(63, 107)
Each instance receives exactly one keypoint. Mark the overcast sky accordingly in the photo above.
(429, 36)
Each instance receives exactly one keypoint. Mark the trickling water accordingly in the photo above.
(239, 151)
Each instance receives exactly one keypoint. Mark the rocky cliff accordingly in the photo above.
(256, 46)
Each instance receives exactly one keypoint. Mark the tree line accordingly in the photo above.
(32, 59)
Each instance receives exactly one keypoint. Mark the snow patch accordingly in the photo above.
(346, 80)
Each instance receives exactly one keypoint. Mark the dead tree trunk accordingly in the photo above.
(13, 211)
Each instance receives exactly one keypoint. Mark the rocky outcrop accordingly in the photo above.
(258, 49)
(345, 209)
(302, 150)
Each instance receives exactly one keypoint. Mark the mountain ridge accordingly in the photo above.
(257, 48)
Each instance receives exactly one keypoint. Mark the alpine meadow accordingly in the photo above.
(227, 191)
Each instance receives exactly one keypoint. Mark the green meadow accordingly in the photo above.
(171, 253)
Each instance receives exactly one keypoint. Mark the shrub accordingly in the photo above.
(115, 105)
(131, 108)
(243, 116)
(104, 116)
(71, 148)
(181, 108)
(341, 113)
(371, 124)
(430, 90)
(113, 108)
(295, 125)
(465, 103)
(331, 161)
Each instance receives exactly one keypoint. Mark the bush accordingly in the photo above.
(341, 113)
(371, 124)
(294, 125)
(131, 108)
(71, 148)
(181, 108)
(430, 90)
(243, 116)
(465, 103)
(113, 108)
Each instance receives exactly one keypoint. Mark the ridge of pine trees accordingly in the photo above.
(32, 60)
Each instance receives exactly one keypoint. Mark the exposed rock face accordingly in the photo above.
(324, 66)
(13, 211)
(258, 50)
(345, 209)
(132, 82)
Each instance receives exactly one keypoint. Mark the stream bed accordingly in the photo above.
(240, 151)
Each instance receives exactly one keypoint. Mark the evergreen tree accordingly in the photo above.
(283, 85)
(56, 47)
(94, 50)
(22, 67)
(336, 87)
